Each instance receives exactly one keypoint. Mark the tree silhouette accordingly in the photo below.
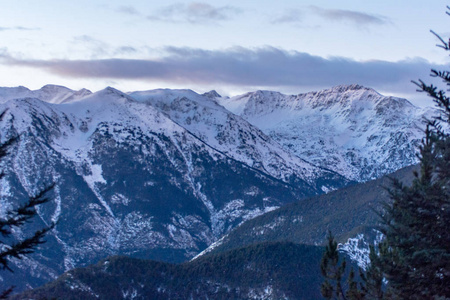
(16, 218)
(414, 256)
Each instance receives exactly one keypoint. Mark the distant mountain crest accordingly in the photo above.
(212, 94)
(348, 87)
(49, 93)
(351, 129)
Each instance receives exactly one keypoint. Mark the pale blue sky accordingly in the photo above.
(231, 46)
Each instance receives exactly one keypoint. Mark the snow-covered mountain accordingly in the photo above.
(157, 174)
(163, 174)
(352, 130)
(49, 93)
(235, 137)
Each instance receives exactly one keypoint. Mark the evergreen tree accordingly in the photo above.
(372, 278)
(17, 218)
(333, 268)
(415, 254)
(354, 292)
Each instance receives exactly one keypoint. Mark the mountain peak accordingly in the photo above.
(349, 87)
(341, 95)
(8, 93)
(340, 128)
(107, 95)
(171, 98)
(212, 94)
(265, 93)
(110, 91)
(49, 93)
(54, 87)
(82, 92)
(337, 91)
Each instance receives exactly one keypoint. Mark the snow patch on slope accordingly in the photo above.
(358, 249)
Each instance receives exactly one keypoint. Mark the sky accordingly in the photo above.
(291, 46)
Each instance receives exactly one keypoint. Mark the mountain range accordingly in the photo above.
(352, 130)
(163, 174)
(274, 256)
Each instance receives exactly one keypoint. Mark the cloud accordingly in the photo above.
(87, 39)
(19, 28)
(194, 13)
(296, 16)
(355, 17)
(125, 50)
(96, 47)
(128, 10)
(291, 16)
(264, 67)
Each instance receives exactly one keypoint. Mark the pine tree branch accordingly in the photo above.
(24, 213)
(444, 44)
(5, 294)
(17, 218)
(24, 247)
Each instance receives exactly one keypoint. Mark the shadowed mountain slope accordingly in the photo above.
(263, 271)
(347, 212)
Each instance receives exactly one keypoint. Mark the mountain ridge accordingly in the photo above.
(164, 174)
(49, 93)
(129, 180)
(264, 271)
(351, 213)
(351, 130)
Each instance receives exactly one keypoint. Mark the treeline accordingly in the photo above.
(281, 269)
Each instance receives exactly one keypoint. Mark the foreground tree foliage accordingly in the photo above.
(335, 286)
(269, 270)
(415, 254)
(17, 218)
(414, 257)
(332, 268)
